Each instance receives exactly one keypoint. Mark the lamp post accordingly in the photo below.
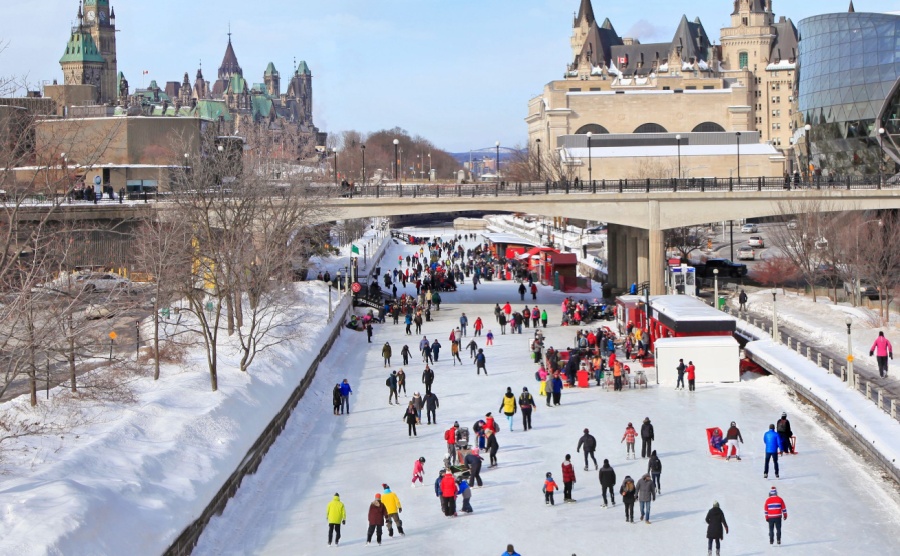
(497, 145)
(538, 142)
(334, 152)
(738, 135)
(808, 127)
(590, 167)
(851, 380)
(340, 283)
(396, 159)
(330, 308)
(716, 288)
(678, 142)
(881, 157)
(430, 169)
(363, 163)
(775, 319)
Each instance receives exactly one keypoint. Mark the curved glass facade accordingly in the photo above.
(848, 75)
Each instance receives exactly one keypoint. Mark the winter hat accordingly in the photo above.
(508, 390)
(456, 424)
(773, 492)
(629, 424)
(585, 431)
(549, 474)
(422, 459)
(385, 487)
(646, 419)
(488, 414)
(771, 427)
(568, 457)
(336, 494)
(605, 462)
(377, 496)
(732, 424)
(784, 415)
(524, 388)
(715, 504)
(474, 451)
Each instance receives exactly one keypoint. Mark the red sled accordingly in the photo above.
(720, 452)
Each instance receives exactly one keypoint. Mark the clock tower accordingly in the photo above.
(100, 22)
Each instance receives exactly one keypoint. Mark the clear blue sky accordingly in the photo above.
(458, 72)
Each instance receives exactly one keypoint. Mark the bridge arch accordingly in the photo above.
(650, 128)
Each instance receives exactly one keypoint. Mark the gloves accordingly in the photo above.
(344, 522)
(891, 355)
(400, 510)
(871, 353)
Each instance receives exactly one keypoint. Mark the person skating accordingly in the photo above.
(497, 312)
(405, 353)
(392, 504)
(526, 404)
(549, 486)
(589, 443)
(418, 472)
(607, 482)
(436, 349)
(479, 325)
(448, 494)
(391, 383)
(377, 516)
(510, 551)
(628, 438)
(628, 492)
(492, 446)
(882, 349)
(654, 467)
(534, 290)
(466, 492)
(454, 353)
(522, 291)
(502, 320)
(431, 403)
(775, 511)
(508, 406)
(463, 324)
(437, 486)
(568, 475)
(407, 320)
(473, 349)
(473, 461)
(556, 386)
(783, 428)
(450, 440)
(489, 338)
(773, 447)
(369, 331)
(336, 398)
(716, 524)
(401, 383)
(481, 362)
(345, 396)
(645, 494)
(544, 318)
(427, 378)
(646, 438)
(681, 369)
(419, 404)
(411, 416)
(691, 372)
(386, 354)
(337, 516)
(732, 437)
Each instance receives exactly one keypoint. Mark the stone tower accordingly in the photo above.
(581, 27)
(100, 22)
(273, 80)
(301, 90)
(82, 63)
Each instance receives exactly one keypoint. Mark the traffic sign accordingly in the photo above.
(112, 335)
(356, 287)
(98, 180)
(850, 358)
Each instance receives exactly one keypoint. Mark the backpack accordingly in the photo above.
(537, 376)
(387, 381)
(781, 426)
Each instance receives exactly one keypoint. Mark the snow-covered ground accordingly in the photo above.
(836, 503)
(129, 480)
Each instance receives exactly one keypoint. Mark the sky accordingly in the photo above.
(459, 73)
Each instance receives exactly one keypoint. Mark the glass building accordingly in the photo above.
(849, 91)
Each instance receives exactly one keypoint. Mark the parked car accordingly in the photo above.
(724, 266)
(91, 281)
(866, 289)
(792, 225)
(746, 253)
(749, 229)
(95, 311)
(756, 241)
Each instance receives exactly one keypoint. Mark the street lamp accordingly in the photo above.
(590, 168)
(678, 142)
(851, 381)
(396, 159)
(430, 169)
(775, 319)
(716, 288)
(363, 147)
(808, 127)
(330, 308)
(738, 135)
(881, 157)
(334, 151)
(857, 295)
(538, 141)
(497, 145)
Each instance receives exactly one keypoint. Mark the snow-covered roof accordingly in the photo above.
(697, 342)
(672, 150)
(686, 308)
(507, 238)
(781, 65)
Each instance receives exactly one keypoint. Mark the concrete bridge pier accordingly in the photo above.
(636, 255)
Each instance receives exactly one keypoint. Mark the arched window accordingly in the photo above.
(650, 128)
(596, 129)
(708, 127)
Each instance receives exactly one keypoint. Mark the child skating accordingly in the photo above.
(549, 486)
(628, 438)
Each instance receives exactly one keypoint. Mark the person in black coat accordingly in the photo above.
(646, 438)
(405, 353)
(715, 520)
(492, 446)
(473, 461)
(336, 399)
(655, 470)
(410, 415)
(608, 482)
(589, 443)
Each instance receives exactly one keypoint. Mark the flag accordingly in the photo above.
(354, 250)
(146, 72)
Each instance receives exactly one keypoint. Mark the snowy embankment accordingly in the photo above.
(127, 474)
(859, 416)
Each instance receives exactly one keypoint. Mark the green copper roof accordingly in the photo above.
(81, 48)
(270, 69)
(237, 84)
(96, 2)
(258, 88)
(261, 106)
(210, 110)
(303, 69)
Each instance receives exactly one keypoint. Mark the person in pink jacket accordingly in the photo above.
(418, 472)
(882, 349)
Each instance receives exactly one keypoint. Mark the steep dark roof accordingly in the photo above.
(637, 53)
(786, 41)
(852, 9)
(230, 65)
(692, 39)
(756, 6)
(599, 43)
(586, 10)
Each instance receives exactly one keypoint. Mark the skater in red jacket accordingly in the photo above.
(568, 474)
(628, 439)
(775, 512)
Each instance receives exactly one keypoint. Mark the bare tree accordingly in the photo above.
(879, 250)
(775, 272)
(685, 240)
(801, 242)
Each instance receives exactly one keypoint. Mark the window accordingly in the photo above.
(575, 89)
(708, 127)
(690, 87)
(650, 128)
(596, 129)
(743, 59)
